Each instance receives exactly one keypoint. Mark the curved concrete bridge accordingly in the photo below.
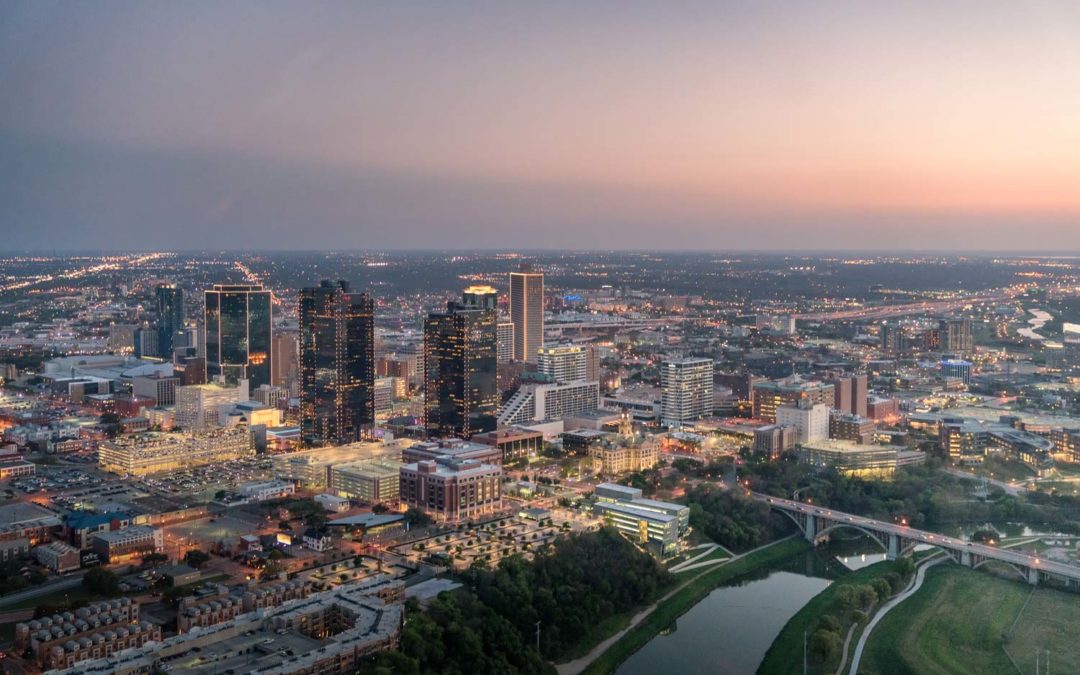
(816, 522)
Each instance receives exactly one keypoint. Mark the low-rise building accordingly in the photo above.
(449, 488)
(92, 632)
(857, 459)
(17, 468)
(850, 427)
(372, 481)
(126, 544)
(652, 524)
(58, 556)
(775, 439)
(515, 443)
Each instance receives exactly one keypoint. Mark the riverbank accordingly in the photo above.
(954, 624)
(619, 648)
(787, 648)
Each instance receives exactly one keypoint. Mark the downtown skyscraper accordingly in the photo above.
(238, 321)
(461, 396)
(170, 322)
(527, 312)
(337, 364)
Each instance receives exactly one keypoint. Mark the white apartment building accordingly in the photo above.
(686, 390)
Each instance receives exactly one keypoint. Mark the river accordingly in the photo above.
(731, 629)
(1040, 319)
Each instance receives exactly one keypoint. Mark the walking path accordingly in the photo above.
(693, 563)
(580, 664)
(847, 642)
(912, 588)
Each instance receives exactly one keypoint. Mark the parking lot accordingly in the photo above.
(489, 543)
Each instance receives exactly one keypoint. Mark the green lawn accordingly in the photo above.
(787, 648)
(1048, 622)
(686, 597)
(955, 624)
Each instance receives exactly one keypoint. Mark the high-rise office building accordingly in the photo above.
(686, 390)
(145, 342)
(849, 394)
(527, 312)
(484, 297)
(337, 364)
(506, 341)
(170, 313)
(956, 336)
(286, 356)
(460, 354)
(238, 329)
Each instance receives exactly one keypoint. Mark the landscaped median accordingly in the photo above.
(691, 593)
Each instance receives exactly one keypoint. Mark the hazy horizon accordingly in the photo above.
(741, 127)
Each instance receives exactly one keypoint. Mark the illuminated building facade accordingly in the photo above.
(686, 390)
(170, 312)
(768, 396)
(461, 396)
(337, 364)
(527, 312)
(239, 333)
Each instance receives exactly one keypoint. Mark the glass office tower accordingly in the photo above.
(461, 397)
(170, 313)
(337, 364)
(239, 331)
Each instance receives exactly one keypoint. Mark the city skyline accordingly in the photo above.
(695, 126)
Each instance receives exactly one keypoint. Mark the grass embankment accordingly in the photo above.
(953, 624)
(787, 648)
(692, 592)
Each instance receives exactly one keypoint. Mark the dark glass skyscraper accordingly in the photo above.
(337, 364)
(239, 330)
(170, 312)
(461, 397)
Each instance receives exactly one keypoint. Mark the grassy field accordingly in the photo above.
(955, 624)
(787, 648)
(1048, 622)
(685, 598)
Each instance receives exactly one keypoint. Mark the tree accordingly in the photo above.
(416, 517)
(825, 645)
(380, 508)
(154, 559)
(101, 581)
(196, 558)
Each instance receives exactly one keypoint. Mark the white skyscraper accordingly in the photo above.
(686, 390)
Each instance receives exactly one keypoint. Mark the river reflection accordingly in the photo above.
(731, 629)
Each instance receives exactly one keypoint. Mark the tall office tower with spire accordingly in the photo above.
(337, 364)
(238, 325)
(527, 312)
(461, 396)
(170, 313)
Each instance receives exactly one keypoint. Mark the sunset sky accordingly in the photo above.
(674, 125)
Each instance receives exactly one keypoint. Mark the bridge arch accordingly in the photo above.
(1022, 572)
(793, 517)
(876, 536)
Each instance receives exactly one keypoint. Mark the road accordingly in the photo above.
(65, 584)
(1063, 570)
(1009, 488)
